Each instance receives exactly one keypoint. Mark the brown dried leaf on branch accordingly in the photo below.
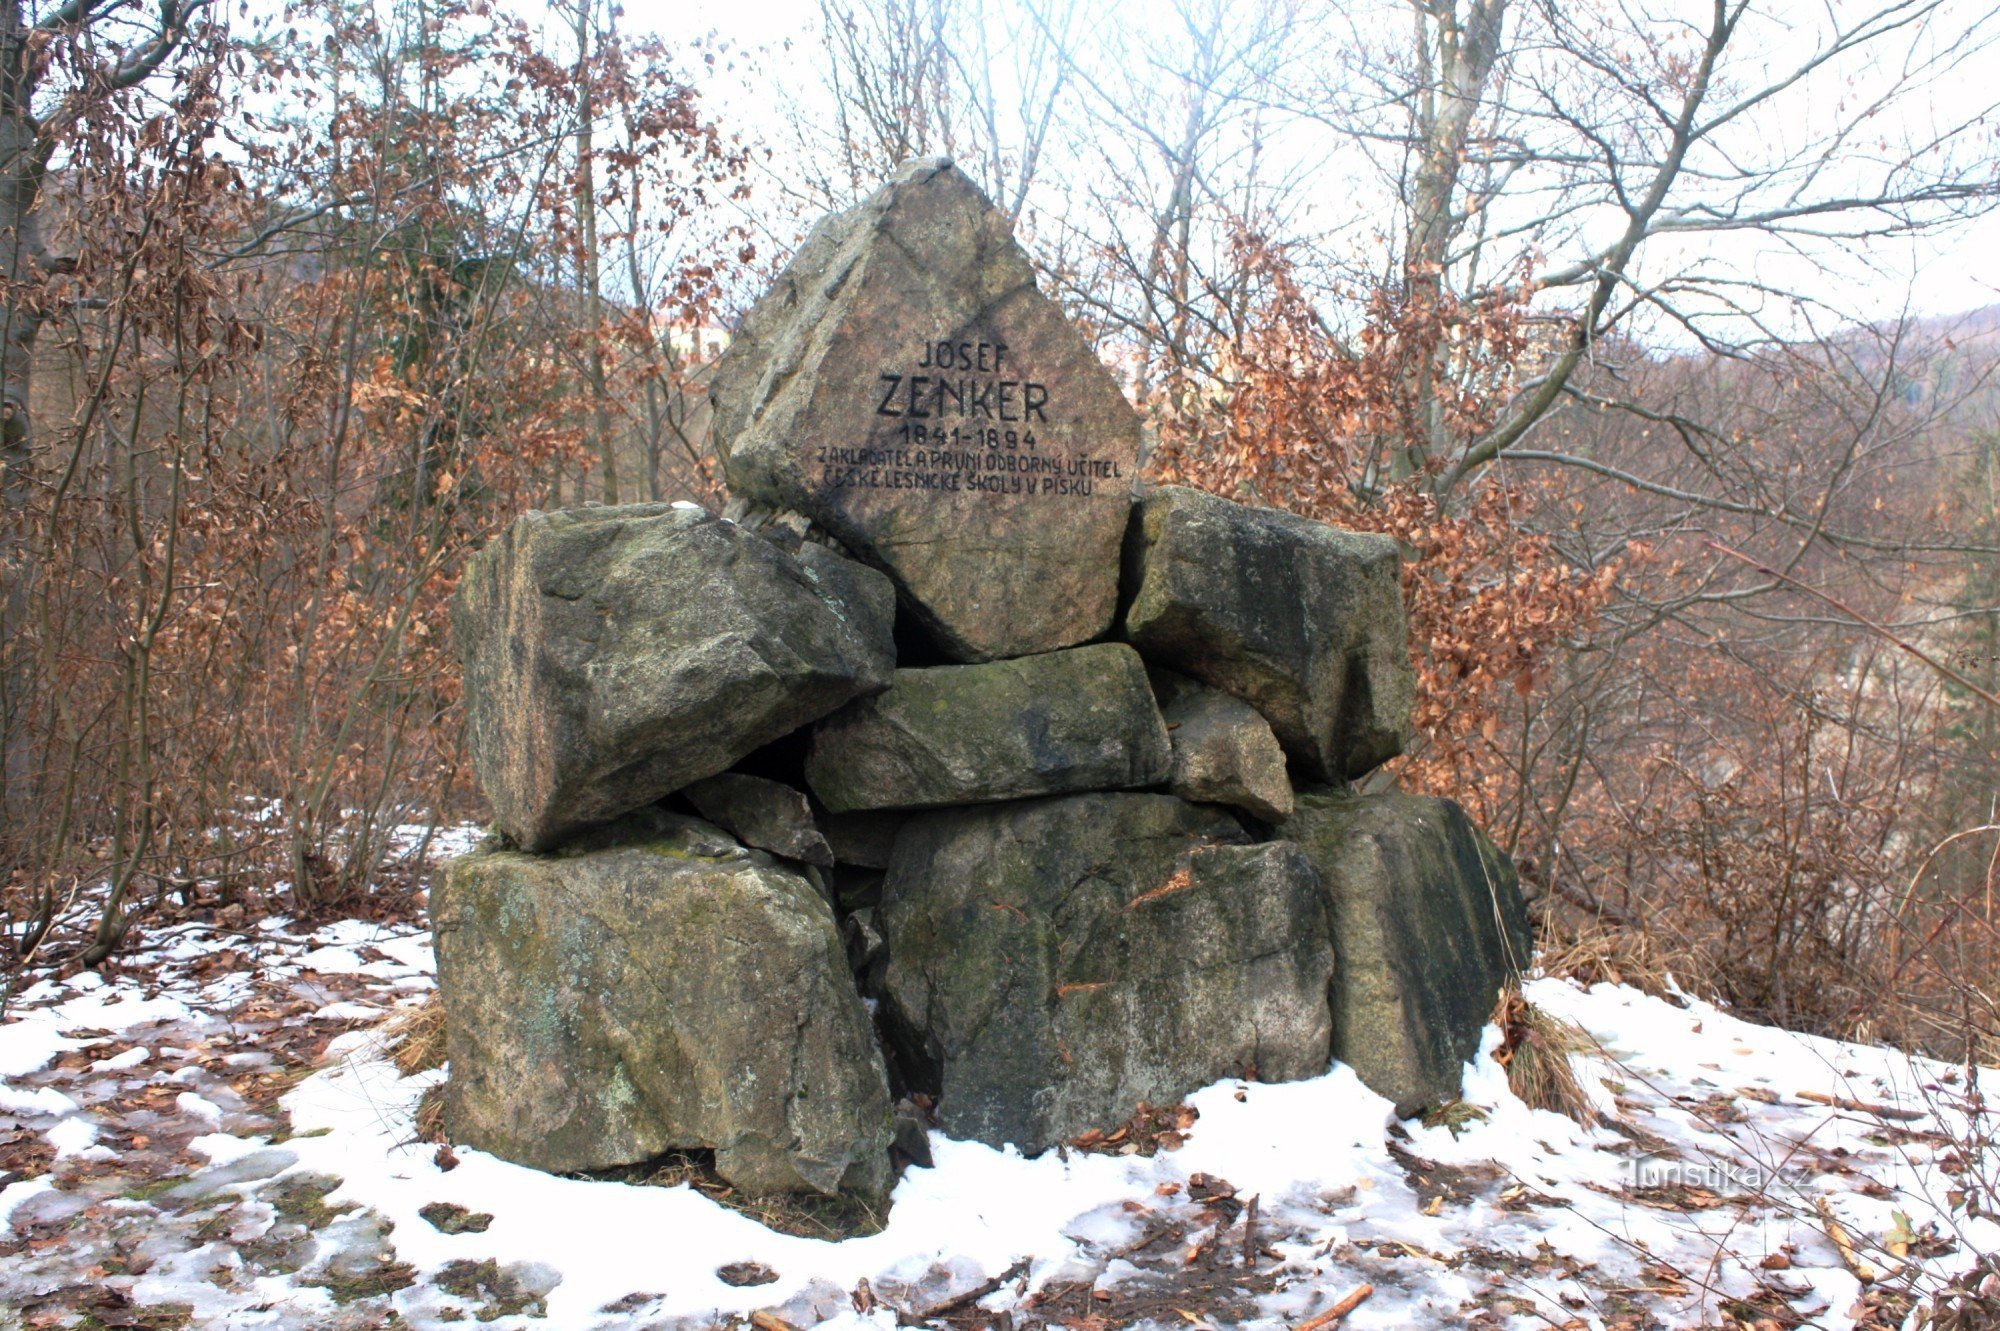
(1338, 432)
(276, 402)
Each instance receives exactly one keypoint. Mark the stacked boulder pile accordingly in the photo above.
(948, 780)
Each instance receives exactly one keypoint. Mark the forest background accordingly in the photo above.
(1611, 312)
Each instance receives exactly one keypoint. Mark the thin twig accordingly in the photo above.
(1333, 1315)
(1990, 699)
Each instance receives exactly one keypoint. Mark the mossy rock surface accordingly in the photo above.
(653, 987)
(1428, 918)
(1053, 963)
(613, 655)
(1082, 719)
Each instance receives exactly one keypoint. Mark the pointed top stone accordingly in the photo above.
(906, 386)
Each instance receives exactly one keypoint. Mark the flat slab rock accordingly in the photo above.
(655, 986)
(613, 655)
(905, 385)
(1303, 621)
(1053, 963)
(1428, 918)
(1081, 719)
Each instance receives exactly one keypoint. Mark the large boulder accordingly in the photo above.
(1082, 719)
(1051, 964)
(1428, 919)
(613, 655)
(655, 986)
(1301, 620)
(905, 386)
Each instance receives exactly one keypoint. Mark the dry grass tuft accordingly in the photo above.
(430, 1115)
(1594, 952)
(1539, 1051)
(414, 1037)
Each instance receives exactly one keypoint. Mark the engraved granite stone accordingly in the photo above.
(906, 386)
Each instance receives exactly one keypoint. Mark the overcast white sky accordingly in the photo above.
(1955, 271)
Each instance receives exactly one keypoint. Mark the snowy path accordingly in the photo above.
(173, 1159)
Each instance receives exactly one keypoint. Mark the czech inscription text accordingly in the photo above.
(961, 418)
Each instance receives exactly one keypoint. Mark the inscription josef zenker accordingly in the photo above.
(964, 421)
(909, 389)
(966, 380)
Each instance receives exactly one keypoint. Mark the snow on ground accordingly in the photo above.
(212, 1137)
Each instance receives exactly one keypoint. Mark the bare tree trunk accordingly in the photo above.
(1167, 268)
(21, 255)
(586, 218)
(655, 371)
(25, 148)
(23, 157)
(1456, 65)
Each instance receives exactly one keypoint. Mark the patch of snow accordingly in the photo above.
(29, 1046)
(351, 1042)
(230, 990)
(131, 1058)
(410, 951)
(336, 960)
(446, 842)
(40, 1025)
(222, 1148)
(1554, 1215)
(990, 1206)
(73, 1135)
(196, 1106)
(1313, 1152)
(348, 1011)
(14, 1194)
(41, 1100)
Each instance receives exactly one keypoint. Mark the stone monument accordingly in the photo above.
(1106, 853)
(907, 387)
